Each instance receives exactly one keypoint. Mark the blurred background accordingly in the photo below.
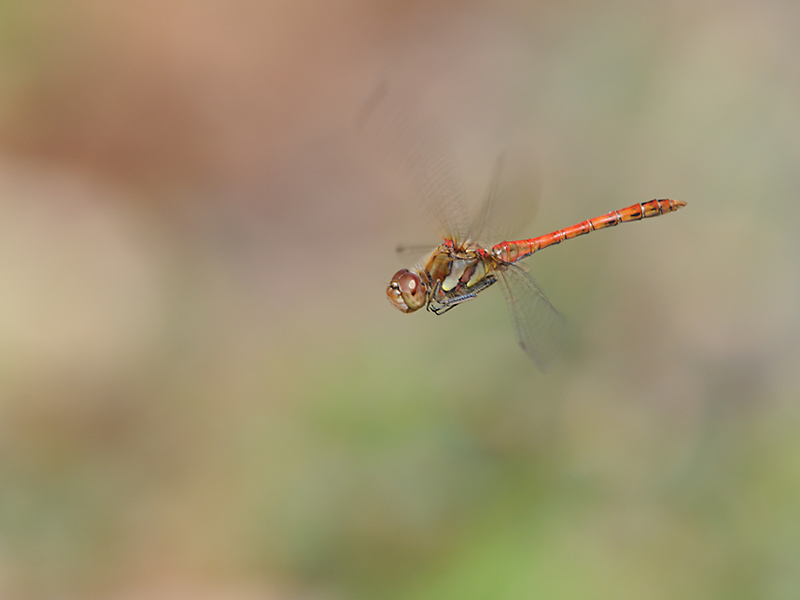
(205, 394)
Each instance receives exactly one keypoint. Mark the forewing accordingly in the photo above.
(540, 327)
(416, 147)
(415, 254)
(512, 199)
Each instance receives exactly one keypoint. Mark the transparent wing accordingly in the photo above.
(540, 327)
(512, 199)
(414, 254)
(416, 147)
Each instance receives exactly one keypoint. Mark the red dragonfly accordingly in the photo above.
(468, 261)
(460, 268)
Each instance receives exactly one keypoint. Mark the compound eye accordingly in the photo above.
(407, 291)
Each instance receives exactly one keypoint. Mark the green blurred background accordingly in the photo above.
(204, 393)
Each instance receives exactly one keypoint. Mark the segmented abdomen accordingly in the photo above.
(517, 250)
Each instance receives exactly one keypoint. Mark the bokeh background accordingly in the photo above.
(204, 393)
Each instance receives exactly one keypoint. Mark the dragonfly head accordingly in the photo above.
(407, 291)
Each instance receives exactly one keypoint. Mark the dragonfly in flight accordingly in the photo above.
(469, 259)
(460, 268)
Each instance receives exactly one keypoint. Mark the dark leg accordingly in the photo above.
(445, 302)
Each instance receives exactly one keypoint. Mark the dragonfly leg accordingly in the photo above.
(442, 308)
(444, 301)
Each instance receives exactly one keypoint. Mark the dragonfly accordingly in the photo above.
(461, 267)
(471, 258)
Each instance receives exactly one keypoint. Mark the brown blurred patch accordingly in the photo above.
(200, 91)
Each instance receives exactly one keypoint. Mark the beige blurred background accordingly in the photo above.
(204, 393)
